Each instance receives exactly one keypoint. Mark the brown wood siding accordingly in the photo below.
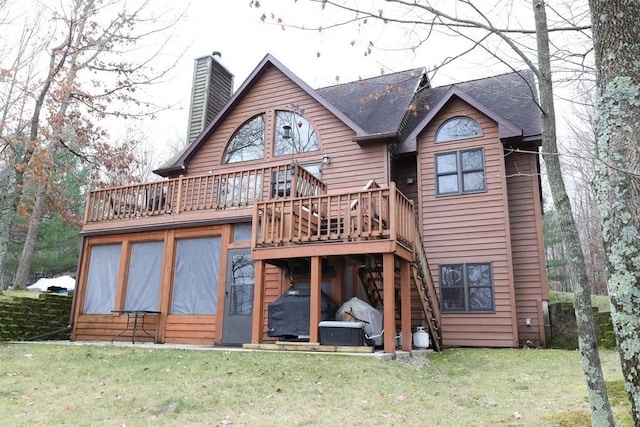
(351, 166)
(103, 327)
(469, 228)
(527, 244)
(405, 168)
(190, 329)
(274, 285)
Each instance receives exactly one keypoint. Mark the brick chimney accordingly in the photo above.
(212, 88)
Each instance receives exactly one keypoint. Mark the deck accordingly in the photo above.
(213, 197)
(287, 205)
(294, 220)
(374, 220)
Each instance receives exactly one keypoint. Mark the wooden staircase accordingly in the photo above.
(423, 281)
(371, 277)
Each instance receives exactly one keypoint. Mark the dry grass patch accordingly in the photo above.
(19, 293)
(117, 385)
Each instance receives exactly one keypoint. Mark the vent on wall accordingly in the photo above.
(212, 87)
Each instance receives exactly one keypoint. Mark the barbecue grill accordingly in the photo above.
(288, 316)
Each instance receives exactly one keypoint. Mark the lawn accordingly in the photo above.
(48, 384)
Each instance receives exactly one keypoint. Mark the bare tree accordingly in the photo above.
(580, 170)
(15, 81)
(617, 49)
(509, 44)
(97, 60)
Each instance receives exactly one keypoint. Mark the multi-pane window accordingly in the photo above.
(466, 287)
(294, 134)
(458, 128)
(247, 143)
(460, 171)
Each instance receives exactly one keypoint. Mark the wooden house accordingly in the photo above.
(422, 201)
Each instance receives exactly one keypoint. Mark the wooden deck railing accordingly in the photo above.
(377, 213)
(205, 192)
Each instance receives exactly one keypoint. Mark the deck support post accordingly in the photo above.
(405, 304)
(338, 290)
(315, 298)
(389, 302)
(257, 327)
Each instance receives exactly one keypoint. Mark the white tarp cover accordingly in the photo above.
(43, 284)
(358, 310)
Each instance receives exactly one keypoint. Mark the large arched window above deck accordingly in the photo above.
(460, 127)
(293, 134)
(247, 143)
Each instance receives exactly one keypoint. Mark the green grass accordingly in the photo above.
(600, 301)
(116, 385)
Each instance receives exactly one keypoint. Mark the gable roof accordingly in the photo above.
(396, 107)
(179, 162)
(509, 99)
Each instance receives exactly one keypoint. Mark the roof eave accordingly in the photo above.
(533, 138)
(171, 170)
(387, 137)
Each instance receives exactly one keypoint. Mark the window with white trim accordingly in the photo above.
(466, 287)
(461, 171)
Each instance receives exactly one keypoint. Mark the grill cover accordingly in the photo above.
(288, 316)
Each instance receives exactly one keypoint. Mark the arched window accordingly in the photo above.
(458, 128)
(293, 134)
(247, 143)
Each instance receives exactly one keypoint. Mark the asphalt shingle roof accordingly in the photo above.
(397, 103)
(377, 104)
(513, 96)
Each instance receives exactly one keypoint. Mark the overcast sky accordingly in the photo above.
(319, 58)
(334, 55)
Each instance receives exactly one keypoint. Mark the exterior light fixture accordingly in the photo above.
(325, 159)
(286, 132)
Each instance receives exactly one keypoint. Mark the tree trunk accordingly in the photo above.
(617, 49)
(22, 274)
(600, 408)
(6, 219)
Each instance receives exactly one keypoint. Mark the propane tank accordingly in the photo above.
(420, 338)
